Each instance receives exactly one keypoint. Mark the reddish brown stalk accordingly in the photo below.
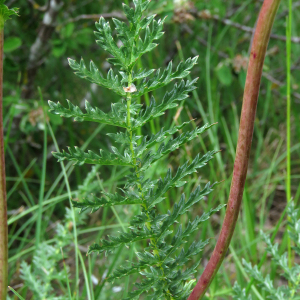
(3, 212)
(256, 61)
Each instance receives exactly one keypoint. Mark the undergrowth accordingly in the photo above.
(39, 277)
(48, 270)
(162, 263)
(289, 272)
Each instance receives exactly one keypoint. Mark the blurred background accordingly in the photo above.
(37, 45)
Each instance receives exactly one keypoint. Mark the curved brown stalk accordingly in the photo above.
(256, 61)
(5, 14)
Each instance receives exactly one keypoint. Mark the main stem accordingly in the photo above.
(129, 130)
(3, 209)
(256, 61)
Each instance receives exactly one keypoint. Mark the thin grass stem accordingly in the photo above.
(43, 178)
(73, 215)
(16, 293)
(288, 121)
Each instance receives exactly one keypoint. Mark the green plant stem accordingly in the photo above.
(86, 279)
(73, 216)
(16, 293)
(111, 267)
(256, 61)
(67, 275)
(288, 121)
(43, 178)
(153, 241)
(3, 208)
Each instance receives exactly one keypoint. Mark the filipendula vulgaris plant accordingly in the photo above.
(291, 273)
(161, 264)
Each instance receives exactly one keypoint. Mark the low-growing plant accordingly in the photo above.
(39, 276)
(162, 263)
(47, 271)
(291, 273)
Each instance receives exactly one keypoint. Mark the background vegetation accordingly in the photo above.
(35, 69)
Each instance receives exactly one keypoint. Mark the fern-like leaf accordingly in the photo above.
(123, 239)
(170, 146)
(146, 259)
(166, 77)
(161, 263)
(115, 117)
(154, 110)
(155, 196)
(94, 203)
(80, 157)
(157, 138)
(112, 82)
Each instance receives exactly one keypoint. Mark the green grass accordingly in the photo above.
(288, 117)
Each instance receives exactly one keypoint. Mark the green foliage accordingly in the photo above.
(112, 81)
(90, 183)
(6, 13)
(290, 273)
(11, 44)
(116, 117)
(239, 293)
(105, 158)
(43, 272)
(162, 264)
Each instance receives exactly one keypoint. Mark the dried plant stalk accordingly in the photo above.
(256, 61)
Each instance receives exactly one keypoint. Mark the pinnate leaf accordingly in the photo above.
(123, 239)
(171, 145)
(112, 82)
(154, 110)
(80, 157)
(160, 80)
(94, 203)
(115, 117)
